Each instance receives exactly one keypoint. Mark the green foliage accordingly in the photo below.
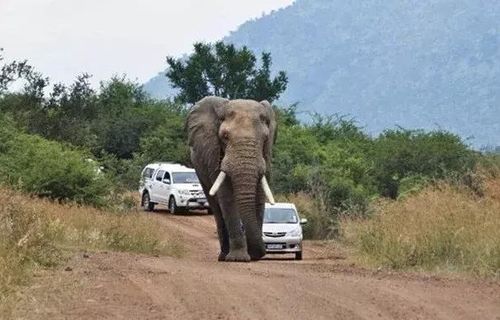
(50, 169)
(225, 71)
(399, 154)
(327, 157)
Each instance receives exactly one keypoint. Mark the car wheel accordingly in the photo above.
(146, 202)
(172, 206)
(209, 211)
(298, 255)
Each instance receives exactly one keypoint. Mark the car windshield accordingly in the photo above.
(185, 177)
(280, 215)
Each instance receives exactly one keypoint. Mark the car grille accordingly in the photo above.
(275, 234)
(197, 193)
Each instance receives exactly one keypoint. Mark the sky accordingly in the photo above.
(64, 38)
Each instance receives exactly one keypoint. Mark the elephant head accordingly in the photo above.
(231, 144)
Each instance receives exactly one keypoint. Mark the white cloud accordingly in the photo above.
(63, 38)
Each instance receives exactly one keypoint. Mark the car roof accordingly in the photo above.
(281, 205)
(169, 166)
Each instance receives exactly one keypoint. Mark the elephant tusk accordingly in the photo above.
(218, 182)
(267, 190)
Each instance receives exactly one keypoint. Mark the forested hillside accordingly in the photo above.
(416, 64)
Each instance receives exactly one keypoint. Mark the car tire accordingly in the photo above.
(172, 206)
(146, 202)
(298, 255)
(209, 211)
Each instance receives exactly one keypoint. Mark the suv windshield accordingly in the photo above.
(185, 177)
(280, 215)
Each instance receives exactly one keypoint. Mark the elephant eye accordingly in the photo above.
(225, 135)
(264, 119)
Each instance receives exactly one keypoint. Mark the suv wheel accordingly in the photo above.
(172, 206)
(146, 202)
(298, 255)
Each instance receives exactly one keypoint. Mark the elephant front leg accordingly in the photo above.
(238, 250)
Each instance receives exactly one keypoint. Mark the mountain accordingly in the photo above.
(411, 63)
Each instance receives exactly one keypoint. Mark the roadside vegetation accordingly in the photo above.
(444, 228)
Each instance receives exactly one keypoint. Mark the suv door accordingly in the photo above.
(157, 186)
(146, 182)
(167, 186)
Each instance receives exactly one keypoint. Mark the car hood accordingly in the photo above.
(279, 227)
(188, 186)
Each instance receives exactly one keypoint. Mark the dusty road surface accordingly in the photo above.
(322, 286)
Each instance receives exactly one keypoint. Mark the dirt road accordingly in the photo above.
(322, 286)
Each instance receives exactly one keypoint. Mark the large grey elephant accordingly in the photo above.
(231, 143)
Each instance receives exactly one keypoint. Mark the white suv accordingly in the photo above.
(173, 185)
(282, 229)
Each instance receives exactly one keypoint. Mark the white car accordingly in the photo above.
(282, 229)
(173, 185)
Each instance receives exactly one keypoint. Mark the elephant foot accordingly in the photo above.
(256, 254)
(256, 257)
(237, 256)
(222, 256)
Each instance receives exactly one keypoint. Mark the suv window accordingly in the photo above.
(167, 176)
(185, 177)
(148, 173)
(159, 175)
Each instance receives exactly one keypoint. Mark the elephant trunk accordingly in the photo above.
(246, 168)
(245, 189)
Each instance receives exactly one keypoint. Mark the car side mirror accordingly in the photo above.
(166, 181)
(303, 221)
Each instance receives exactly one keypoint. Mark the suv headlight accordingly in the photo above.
(185, 192)
(295, 233)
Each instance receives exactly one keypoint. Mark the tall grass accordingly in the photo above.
(441, 228)
(37, 232)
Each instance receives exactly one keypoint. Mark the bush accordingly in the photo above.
(399, 154)
(443, 227)
(46, 168)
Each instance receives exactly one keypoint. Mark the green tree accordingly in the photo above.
(399, 155)
(226, 71)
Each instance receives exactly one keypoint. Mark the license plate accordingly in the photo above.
(202, 201)
(275, 246)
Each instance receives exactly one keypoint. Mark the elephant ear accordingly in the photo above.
(268, 147)
(202, 126)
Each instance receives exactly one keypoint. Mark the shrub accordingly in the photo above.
(46, 168)
(399, 154)
(443, 227)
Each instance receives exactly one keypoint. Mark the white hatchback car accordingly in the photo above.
(282, 229)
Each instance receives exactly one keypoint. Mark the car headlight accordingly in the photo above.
(295, 233)
(185, 192)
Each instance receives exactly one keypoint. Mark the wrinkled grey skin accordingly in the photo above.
(236, 137)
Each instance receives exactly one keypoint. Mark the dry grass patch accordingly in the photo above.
(40, 233)
(442, 228)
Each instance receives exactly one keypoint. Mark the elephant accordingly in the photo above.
(230, 145)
